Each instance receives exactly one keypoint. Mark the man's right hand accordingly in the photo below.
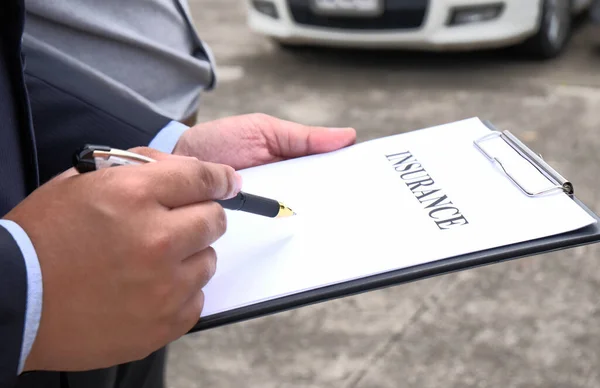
(124, 254)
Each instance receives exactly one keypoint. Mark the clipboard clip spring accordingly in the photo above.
(560, 183)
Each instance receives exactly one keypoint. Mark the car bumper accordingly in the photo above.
(517, 21)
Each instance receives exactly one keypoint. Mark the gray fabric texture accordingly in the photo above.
(143, 48)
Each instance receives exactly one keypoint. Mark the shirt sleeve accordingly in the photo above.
(33, 310)
(166, 139)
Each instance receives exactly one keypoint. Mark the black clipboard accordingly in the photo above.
(584, 236)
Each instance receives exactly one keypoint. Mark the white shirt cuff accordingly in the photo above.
(33, 311)
(166, 140)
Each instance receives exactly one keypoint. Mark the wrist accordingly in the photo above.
(168, 137)
(31, 363)
(182, 146)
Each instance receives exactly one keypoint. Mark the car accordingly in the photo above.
(542, 27)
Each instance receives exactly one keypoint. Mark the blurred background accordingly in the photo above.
(386, 67)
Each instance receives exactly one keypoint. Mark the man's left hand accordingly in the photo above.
(256, 139)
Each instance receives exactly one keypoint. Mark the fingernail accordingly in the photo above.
(335, 129)
(238, 183)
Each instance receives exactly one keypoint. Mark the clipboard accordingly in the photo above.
(583, 236)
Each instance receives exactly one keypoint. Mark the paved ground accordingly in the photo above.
(529, 323)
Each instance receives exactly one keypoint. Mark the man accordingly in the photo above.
(100, 271)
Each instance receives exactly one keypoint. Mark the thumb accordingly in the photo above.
(296, 140)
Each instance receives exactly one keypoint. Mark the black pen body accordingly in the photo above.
(251, 203)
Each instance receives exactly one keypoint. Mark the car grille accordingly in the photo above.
(398, 14)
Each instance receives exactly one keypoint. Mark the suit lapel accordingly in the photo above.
(28, 134)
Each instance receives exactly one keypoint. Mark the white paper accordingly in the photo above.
(357, 217)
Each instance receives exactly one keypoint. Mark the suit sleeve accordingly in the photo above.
(71, 108)
(13, 305)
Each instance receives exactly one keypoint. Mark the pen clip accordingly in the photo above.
(94, 157)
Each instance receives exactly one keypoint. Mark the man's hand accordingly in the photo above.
(256, 139)
(124, 254)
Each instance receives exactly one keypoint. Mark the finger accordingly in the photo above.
(184, 319)
(183, 181)
(197, 272)
(198, 269)
(295, 140)
(196, 227)
(191, 276)
(190, 313)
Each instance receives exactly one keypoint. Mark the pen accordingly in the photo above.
(95, 157)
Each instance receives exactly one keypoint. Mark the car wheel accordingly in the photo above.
(554, 31)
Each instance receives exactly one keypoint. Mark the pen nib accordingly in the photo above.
(285, 211)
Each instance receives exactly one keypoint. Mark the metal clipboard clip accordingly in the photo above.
(558, 181)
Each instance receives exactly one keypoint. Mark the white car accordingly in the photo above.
(542, 26)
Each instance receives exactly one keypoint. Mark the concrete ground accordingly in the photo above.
(529, 323)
